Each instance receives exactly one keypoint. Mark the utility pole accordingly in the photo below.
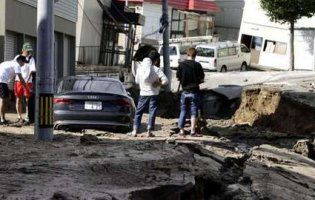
(166, 37)
(45, 71)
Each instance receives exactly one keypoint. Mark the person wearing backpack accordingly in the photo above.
(190, 75)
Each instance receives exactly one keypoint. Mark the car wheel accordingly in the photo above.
(223, 69)
(244, 67)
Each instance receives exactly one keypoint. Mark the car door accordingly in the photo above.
(202, 58)
(244, 54)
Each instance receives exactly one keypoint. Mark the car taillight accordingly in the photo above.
(215, 62)
(123, 102)
(62, 101)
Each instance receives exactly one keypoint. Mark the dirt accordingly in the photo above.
(278, 109)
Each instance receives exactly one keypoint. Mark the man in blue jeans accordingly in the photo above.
(190, 75)
(150, 78)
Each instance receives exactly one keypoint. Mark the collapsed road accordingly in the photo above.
(250, 155)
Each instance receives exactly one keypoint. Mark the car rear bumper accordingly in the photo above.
(79, 124)
(95, 120)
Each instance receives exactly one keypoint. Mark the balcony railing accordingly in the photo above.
(92, 55)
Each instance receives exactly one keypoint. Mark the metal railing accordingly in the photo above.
(90, 55)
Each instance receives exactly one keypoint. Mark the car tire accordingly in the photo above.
(244, 67)
(223, 69)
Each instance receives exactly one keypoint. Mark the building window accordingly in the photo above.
(275, 47)
(177, 24)
(256, 43)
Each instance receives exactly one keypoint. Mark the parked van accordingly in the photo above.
(223, 56)
(178, 47)
(177, 54)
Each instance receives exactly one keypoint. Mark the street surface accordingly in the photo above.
(232, 161)
(214, 79)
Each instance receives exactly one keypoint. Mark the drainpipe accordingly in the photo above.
(314, 50)
(45, 71)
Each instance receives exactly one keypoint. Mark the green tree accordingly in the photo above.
(288, 11)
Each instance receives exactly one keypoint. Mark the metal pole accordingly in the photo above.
(45, 71)
(166, 53)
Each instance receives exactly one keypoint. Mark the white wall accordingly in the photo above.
(256, 23)
(66, 9)
(89, 30)
(89, 24)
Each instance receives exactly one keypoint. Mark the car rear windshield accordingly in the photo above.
(90, 85)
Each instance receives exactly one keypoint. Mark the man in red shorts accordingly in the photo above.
(19, 90)
(8, 71)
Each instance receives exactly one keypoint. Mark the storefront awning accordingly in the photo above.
(119, 14)
(192, 5)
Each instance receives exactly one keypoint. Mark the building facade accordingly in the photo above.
(269, 42)
(187, 18)
(89, 30)
(18, 24)
(228, 20)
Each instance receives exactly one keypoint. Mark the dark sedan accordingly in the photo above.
(86, 102)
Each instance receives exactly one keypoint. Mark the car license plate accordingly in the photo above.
(93, 105)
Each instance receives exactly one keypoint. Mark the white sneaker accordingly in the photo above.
(133, 133)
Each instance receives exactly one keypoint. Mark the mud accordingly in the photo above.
(101, 165)
(264, 152)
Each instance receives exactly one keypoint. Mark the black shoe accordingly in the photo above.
(196, 135)
(19, 120)
(26, 123)
(18, 123)
(5, 122)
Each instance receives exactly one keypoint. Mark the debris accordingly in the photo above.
(88, 139)
(305, 147)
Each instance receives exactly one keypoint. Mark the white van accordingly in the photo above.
(223, 56)
(178, 47)
(177, 54)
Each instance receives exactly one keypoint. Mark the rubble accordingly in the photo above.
(305, 147)
(88, 139)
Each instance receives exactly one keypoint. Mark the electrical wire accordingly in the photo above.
(89, 19)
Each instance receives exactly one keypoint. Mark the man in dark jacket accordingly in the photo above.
(190, 75)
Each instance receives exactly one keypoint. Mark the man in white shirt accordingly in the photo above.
(19, 90)
(150, 78)
(8, 71)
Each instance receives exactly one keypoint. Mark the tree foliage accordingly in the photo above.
(284, 11)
